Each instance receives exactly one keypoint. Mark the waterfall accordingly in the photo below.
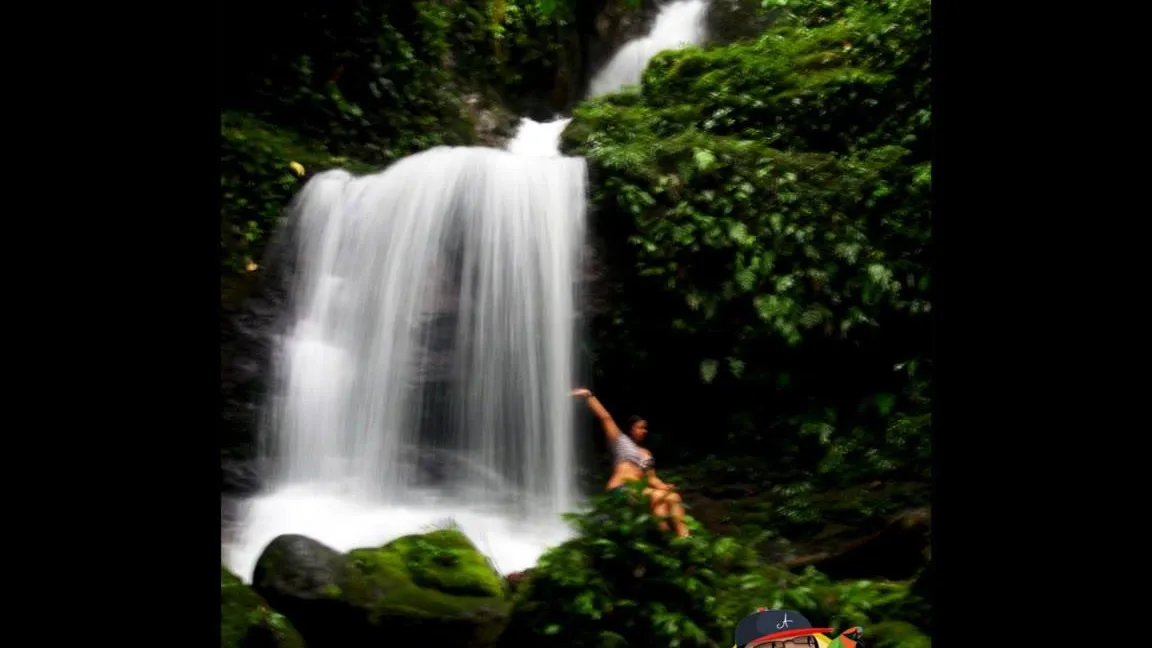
(425, 372)
(677, 25)
(434, 312)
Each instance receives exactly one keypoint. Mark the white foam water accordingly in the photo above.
(538, 139)
(342, 522)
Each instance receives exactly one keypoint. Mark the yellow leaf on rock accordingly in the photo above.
(297, 167)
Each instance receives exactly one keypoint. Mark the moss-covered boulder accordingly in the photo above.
(435, 587)
(246, 620)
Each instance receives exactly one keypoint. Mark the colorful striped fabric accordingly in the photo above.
(844, 640)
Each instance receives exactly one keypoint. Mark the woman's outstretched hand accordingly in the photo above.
(580, 392)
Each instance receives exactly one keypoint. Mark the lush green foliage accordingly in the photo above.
(882, 608)
(783, 514)
(775, 198)
(622, 581)
(377, 80)
(364, 77)
(261, 167)
(514, 49)
(550, 7)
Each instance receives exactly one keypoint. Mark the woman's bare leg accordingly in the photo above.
(660, 507)
(676, 512)
(666, 505)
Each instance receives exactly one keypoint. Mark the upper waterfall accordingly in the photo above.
(678, 24)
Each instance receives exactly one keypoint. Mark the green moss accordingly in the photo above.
(449, 539)
(246, 619)
(439, 574)
(332, 591)
(446, 560)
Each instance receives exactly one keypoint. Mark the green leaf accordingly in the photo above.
(736, 366)
(708, 371)
(879, 274)
(704, 159)
(746, 279)
(739, 233)
(885, 403)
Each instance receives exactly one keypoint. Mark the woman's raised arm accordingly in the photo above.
(610, 429)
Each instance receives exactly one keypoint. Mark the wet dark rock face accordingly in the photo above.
(252, 314)
(245, 354)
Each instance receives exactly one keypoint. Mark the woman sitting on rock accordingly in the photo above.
(634, 463)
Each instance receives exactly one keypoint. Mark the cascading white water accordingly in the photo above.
(538, 138)
(426, 371)
(427, 368)
(678, 24)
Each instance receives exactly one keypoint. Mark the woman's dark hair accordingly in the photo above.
(633, 420)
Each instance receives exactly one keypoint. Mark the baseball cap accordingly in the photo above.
(767, 624)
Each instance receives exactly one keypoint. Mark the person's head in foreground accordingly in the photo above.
(776, 629)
